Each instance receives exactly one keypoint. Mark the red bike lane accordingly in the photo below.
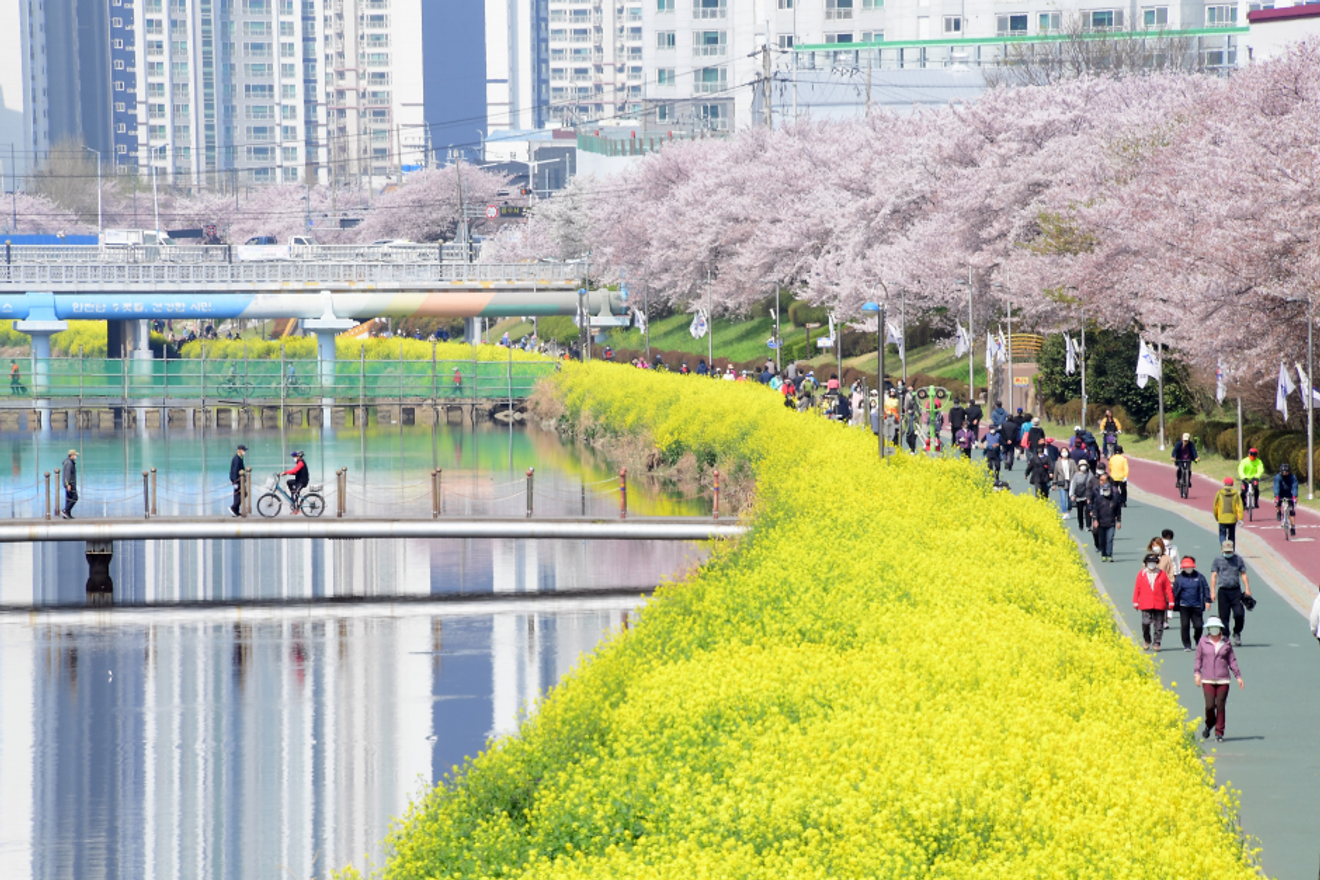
(1302, 552)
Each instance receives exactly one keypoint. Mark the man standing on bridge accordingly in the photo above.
(69, 477)
(236, 477)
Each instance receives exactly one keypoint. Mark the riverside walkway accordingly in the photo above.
(1269, 752)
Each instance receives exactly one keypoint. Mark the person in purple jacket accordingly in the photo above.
(1214, 661)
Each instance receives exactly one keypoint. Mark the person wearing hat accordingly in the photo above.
(1214, 662)
(1228, 511)
(300, 477)
(1080, 489)
(1035, 434)
(1191, 596)
(1250, 470)
(69, 478)
(236, 479)
(1228, 585)
(1106, 517)
(1184, 456)
(1152, 595)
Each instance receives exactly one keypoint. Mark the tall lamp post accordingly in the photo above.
(1307, 393)
(99, 227)
(971, 340)
(879, 312)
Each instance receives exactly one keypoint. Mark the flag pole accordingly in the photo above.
(1082, 355)
(1159, 358)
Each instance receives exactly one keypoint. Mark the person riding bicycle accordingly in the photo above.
(1184, 453)
(300, 477)
(1250, 470)
(1109, 424)
(1286, 486)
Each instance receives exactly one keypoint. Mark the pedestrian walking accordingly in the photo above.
(1170, 548)
(1064, 470)
(974, 414)
(965, 439)
(1152, 595)
(1228, 511)
(1118, 472)
(1106, 518)
(15, 379)
(1039, 472)
(1080, 490)
(1214, 662)
(1231, 589)
(69, 477)
(1191, 596)
(236, 479)
(1315, 618)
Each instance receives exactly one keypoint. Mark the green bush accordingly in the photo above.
(1111, 375)
(1282, 450)
(1226, 442)
(801, 313)
(1208, 436)
(1301, 467)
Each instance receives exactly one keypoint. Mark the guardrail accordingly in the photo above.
(230, 277)
(439, 252)
(103, 381)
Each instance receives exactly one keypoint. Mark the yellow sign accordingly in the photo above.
(1021, 380)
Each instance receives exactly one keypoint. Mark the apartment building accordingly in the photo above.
(703, 61)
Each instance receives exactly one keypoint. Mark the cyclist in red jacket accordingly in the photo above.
(300, 477)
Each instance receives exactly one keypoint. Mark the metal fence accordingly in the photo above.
(406, 252)
(103, 381)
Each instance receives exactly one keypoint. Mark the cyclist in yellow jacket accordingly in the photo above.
(1250, 470)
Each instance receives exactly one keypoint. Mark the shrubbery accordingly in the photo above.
(851, 690)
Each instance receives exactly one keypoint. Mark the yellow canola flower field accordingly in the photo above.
(897, 673)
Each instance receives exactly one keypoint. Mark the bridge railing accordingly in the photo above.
(102, 381)
(410, 252)
(209, 275)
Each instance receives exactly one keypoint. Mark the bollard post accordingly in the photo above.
(435, 496)
(47, 494)
(247, 498)
(146, 495)
(153, 491)
(717, 495)
(623, 493)
(440, 490)
(529, 492)
(584, 496)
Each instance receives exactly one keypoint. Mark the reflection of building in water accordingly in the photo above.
(275, 746)
(150, 572)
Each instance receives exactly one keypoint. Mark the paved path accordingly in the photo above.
(1271, 749)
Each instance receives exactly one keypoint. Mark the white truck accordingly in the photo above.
(262, 248)
(126, 238)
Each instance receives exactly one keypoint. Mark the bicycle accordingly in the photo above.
(1286, 516)
(1250, 497)
(1184, 477)
(1111, 442)
(309, 502)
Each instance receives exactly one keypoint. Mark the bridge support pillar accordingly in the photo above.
(41, 324)
(472, 331)
(99, 555)
(326, 328)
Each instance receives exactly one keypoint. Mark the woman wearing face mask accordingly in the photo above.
(1215, 660)
(1152, 596)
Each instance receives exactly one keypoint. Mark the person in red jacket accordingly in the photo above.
(300, 478)
(1152, 596)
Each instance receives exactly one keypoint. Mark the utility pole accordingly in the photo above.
(765, 79)
(868, 85)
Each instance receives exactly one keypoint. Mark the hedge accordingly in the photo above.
(825, 697)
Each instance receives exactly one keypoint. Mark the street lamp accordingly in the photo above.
(1307, 393)
(971, 340)
(879, 312)
(99, 227)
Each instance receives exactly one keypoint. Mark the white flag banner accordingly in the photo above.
(1148, 365)
(1221, 383)
(830, 315)
(893, 335)
(991, 352)
(639, 319)
(699, 325)
(1070, 355)
(1305, 383)
(1001, 351)
(1281, 392)
(964, 342)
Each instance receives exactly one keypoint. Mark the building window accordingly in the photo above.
(838, 9)
(873, 36)
(711, 79)
(119, 106)
(116, 22)
(665, 40)
(121, 128)
(664, 113)
(1008, 25)
(953, 25)
(664, 5)
(713, 116)
(786, 41)
(1105, 19)
(121, 149)
(839, 38)
(785, 4)
(709, 42)
(1050, 22)
(118, 44)
(1155, 16)
(1220, 16)
(710, 8)
(664, 76)
(119, 65)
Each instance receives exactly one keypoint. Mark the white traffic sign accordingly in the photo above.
(492, 212)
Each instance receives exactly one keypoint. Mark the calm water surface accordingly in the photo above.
(223, 719)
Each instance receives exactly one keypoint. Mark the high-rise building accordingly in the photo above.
(517, 64)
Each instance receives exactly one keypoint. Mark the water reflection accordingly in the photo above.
(242, 743)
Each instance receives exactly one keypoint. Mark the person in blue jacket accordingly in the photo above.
(1191, 596)
(1286, 486)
